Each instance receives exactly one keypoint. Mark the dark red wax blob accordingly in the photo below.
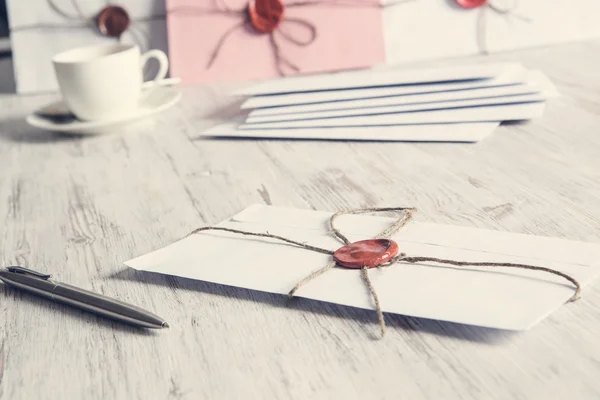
(113, 21)
(471, 3)
(265, 15)
(366, 253)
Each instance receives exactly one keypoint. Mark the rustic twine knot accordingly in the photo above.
(113, 21)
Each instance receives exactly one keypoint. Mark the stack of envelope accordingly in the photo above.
(452, 104)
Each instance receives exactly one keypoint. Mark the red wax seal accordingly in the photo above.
(113, 21)
(265, 15)
(471, 3)
(366, 253)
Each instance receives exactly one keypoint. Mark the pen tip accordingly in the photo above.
(165, 325)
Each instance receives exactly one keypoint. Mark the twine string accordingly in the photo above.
(264, 235)
(481, 32)
(312, 30)
(280, 59)
(503, 10)
(221, 42)
(78, 9)
(135, 34)
(405, 218)
(223, 4)
(310, 277)
(406, 214)
(507, 12)
(414, 260)
(54, 7)
(380, 318)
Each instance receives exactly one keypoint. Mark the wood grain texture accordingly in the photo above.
(79, 207)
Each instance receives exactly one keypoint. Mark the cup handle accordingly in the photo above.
(163, 68)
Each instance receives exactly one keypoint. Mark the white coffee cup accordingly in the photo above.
(105, 82)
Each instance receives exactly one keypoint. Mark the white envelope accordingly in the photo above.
(470, 132)
(436, 29)
(504, 298)
(532, 95)
(514, 74)
(511, 112)
(535, 79)
(36, 38)
(376, 77)
(420, 98)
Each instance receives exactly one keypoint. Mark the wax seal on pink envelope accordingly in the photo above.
(265, 15)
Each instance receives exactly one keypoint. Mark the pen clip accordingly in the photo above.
(27, 271)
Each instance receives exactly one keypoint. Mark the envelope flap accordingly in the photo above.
(378, 77)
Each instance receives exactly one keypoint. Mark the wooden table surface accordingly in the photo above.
(79, 207)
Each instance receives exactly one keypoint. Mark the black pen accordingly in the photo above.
(41, 285)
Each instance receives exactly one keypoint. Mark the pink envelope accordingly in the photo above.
(347, 35)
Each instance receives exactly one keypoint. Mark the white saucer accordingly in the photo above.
(159, 100)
